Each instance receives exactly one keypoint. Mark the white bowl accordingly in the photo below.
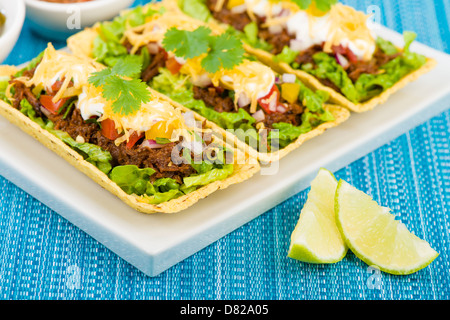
(58, 20)
(15, 15)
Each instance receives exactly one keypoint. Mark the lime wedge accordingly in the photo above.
(375, 236)
(316, 238)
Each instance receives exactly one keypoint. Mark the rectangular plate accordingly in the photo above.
(154, 243)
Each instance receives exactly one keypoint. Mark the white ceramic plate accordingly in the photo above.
(154, 243)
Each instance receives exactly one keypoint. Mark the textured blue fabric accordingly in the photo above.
(41, 253)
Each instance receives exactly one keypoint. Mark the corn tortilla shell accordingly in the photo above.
(336, 97)
(244, 168)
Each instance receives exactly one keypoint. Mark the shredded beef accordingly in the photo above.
(372, 66)
(24, 92)
(213, 96)
(237, 20)
(277, 40)
(158, 159)
(219, 99)
(306, 56)
(157, 61)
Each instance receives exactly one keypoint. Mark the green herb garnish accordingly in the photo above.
(222, 51)
(127, 94)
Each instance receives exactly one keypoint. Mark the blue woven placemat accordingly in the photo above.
(43, 256)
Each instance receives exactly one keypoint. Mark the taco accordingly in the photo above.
(203, 68)
(154, 156)
(328, 45)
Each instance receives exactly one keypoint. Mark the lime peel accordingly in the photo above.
(374, 235)
(316, 238)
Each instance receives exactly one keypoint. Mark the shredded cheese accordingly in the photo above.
(58, 65)
(251, 78)
(156, 27)
(348, 24)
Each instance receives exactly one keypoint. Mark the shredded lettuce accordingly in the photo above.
(134, 180)
(196, 9)
(131, 179)
(4, 82)
(107, 47)
(32, 64)
(91, 152)
(314, 116)
(287, 55)
(180, 90)
(209, 176)
(368, 85)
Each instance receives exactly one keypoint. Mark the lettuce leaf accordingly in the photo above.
(131, 179)
(209, 176)
(242, 122)
(287, 55)
(368, 85)
(196, 9)
(4, 82)
(90, 152)
(107, 48)
(32, 64)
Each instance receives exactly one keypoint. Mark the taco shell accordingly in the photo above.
(336, 97)
(244, 167)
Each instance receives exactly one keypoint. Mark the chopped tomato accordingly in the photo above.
(109, 129)
(345, 51)
(270, 101)
(47, 103)
(173, 65)
(57, 85)
(134, 137)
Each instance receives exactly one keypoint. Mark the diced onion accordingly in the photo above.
(297, 45)
(46, 112)
(342, 60)
(153, 48)
(275, 29)
(281, 108)
(189, 119)
(202, 80)
(273, 105)
(239, 9)
(243, 100)
(288, 78)
(151, 144)
(259, 115)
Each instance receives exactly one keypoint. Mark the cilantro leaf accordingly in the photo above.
(128, 66)
(98, 79)
(187, 44)
(226, 51)
(127, 95)
(223, 51)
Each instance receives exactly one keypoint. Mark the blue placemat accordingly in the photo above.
(43, 256)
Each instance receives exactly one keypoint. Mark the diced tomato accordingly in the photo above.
(47, 103)
(57, 85)
(173, 65)
(109, 129)
(270, 102)
(134, 137)
(345, 51)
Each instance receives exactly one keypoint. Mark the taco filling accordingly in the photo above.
(221, 83)
(154, 151)
(336, 46)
